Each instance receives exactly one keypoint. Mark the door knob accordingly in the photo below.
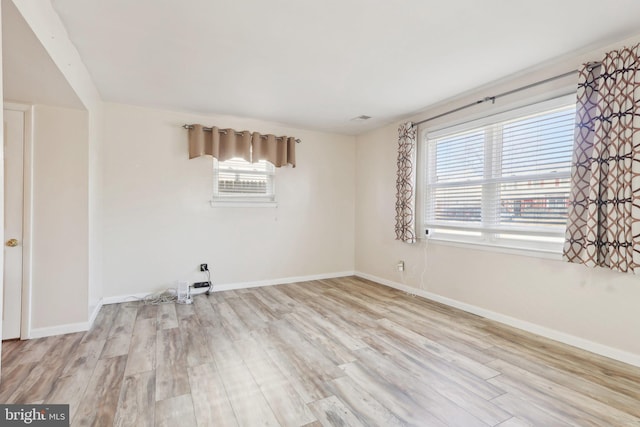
(12, 243)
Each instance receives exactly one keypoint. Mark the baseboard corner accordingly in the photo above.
(68, 328)
(553, 334)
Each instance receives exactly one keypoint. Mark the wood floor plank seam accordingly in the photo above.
(330, 352)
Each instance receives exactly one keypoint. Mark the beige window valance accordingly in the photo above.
(225, 144)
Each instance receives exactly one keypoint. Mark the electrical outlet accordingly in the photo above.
(202, 284)
(204, 267)
(400, 266)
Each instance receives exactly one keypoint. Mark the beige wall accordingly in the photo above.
(159, 225)
(95, 289)
(144, 221)
(1, 184)
(46, 26)
(60, 217)
(597, 305)
(594, 305)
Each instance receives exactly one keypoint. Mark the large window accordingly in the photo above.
(502, 180)
(238, 181)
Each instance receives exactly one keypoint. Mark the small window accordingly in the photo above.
(238, 181)
(503, 180)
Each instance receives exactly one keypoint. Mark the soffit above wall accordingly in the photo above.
(29, 75)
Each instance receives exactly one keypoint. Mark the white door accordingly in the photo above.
(13, 215)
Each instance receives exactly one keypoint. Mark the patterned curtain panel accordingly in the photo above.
(406, 183)
(603, 227)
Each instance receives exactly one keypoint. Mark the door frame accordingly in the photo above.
(27, 215)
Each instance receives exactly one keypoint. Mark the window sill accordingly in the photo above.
(242, 204)
(499, 248)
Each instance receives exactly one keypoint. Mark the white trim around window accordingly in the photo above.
(238, 183)
(501, 181)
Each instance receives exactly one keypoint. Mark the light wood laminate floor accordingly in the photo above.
(341, 352)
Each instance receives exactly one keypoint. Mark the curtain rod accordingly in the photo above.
(493, 98)
(298, 141)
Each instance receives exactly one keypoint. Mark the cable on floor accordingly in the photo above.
(164, 297)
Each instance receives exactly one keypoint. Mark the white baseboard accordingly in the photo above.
(84, 326)
(65, 329)
(238, 285)
(572, 340)
(281, 281)
(125, 298)
(59, 330)
(95, 312)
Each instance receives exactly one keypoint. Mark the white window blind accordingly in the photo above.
(503, 179)
(238, 180)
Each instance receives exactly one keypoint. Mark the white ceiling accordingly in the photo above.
(318, 64)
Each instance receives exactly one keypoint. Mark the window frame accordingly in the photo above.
(485, 236)
(244, 199)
